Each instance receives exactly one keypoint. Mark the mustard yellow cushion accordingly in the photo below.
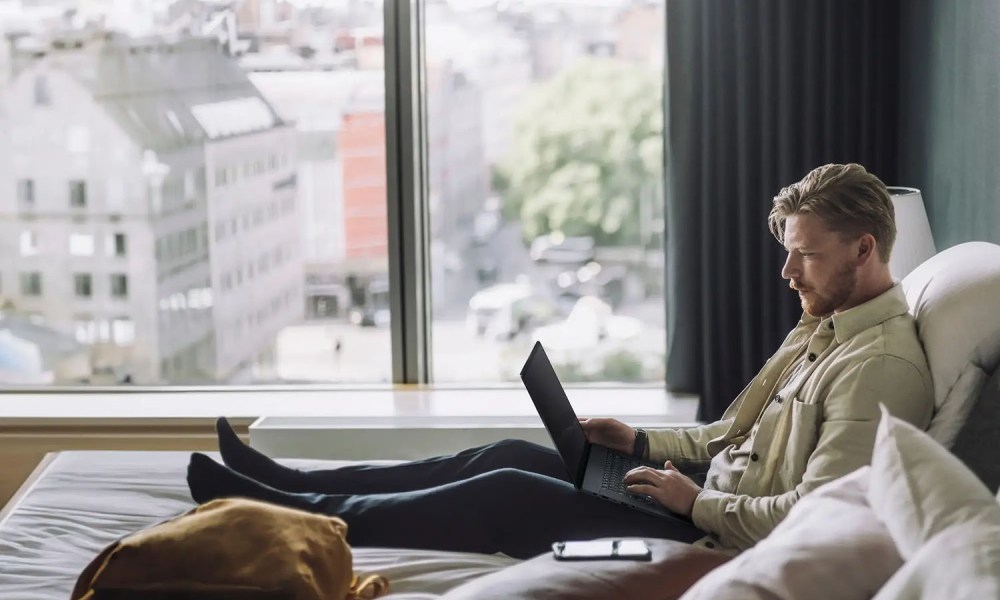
(230, 548)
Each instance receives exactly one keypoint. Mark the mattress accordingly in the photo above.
(85, 500)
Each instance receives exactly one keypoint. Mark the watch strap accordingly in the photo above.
(641, 441)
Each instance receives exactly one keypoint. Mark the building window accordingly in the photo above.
(31, 284)
(26, 192)
(81, 244)
(78, 193)
(123, 331)
(115, 194)
(120, 246)
(43, 96)
(82, 285)
(78, 140)
(189, 187)
(29, 243)
(85, 329)
(119, 285)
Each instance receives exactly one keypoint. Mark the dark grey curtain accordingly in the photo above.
(757, 93)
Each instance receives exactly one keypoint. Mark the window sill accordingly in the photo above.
(395, 407)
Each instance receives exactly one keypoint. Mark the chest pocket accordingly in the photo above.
(803, 434)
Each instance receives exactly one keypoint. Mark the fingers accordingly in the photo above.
(641, 488)
(647, 474)
(669, 466)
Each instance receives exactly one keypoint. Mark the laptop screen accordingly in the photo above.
(555, 410)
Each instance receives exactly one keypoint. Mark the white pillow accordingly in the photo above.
(831, 545)
(961, 563)
(953, 296)
(919, 489)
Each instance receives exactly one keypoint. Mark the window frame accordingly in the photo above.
(408, 223)
(407, 191)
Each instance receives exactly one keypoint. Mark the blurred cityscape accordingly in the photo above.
(194, 191)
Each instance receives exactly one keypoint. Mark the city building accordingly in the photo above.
(148, 198)
(340, 125)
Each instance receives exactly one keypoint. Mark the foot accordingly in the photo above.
(249, 462)
(209, 480)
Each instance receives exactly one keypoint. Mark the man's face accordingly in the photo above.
(820, 265)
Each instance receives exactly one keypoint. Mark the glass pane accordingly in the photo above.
(197, 199)
(545, 153)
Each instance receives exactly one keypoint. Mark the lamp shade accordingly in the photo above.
(914, 241)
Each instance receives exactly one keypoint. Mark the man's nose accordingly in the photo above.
(790, 269)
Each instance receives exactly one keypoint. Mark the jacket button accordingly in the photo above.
(709, 545)
(754, 457)
(812, 357)
(777, 398)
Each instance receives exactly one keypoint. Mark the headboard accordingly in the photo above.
(978, 442)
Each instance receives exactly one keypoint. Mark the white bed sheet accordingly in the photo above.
(85, 500)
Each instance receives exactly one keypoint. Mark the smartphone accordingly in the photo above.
(602, 550)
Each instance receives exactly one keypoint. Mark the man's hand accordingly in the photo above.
(669, 487)
(610, 433)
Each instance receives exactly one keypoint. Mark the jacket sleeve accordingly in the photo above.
(685, 447)
(845, 443)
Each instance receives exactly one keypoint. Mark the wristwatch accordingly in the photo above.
(641, 440)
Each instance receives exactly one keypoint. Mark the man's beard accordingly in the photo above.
(842, 286)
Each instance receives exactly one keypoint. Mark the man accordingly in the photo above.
(806, 419)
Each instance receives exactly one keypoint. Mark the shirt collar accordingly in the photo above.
(879, 309)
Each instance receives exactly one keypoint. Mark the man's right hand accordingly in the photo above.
(610, 433)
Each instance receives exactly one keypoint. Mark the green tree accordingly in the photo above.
(585, 147)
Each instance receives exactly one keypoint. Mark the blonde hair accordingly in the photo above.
(849, 199)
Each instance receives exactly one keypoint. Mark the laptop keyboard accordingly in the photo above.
(615, 468)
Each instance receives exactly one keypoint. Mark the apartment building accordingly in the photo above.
(147, 204)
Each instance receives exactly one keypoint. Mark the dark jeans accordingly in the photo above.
(512, 497)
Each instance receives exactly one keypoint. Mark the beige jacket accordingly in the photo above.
(819, 426)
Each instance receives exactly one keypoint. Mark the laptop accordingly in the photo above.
(592, 468)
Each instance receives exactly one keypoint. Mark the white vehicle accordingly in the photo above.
(487, 303)
(502, 311)
(557, 248)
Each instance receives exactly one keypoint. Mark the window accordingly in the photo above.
(122, 331)
(78, 194)
(26, 193)
(31, 284)
(115, 194)
(78, 140)
(81, 244)
(118, 245)
(544, 155)
(85, 329)
(189, 185)
(292, 162)
(119, 285)
(82, 285)
(29, 243)
(42, 95)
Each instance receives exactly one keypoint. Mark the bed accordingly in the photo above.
(78, 502)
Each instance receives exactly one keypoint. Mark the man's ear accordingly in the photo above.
(867, 247)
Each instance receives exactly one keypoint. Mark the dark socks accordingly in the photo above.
(249, 462)
(209, 480)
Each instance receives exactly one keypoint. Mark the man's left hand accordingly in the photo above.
(669, 487)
